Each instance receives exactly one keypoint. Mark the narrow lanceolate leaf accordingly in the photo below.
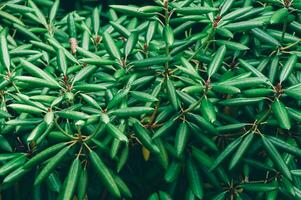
(35, 71)
(104, 174)
(118, 98)
(243, 25)
(287, 68)
(225, 89)
(11, 18)
(82, 184)
(43, 155)
(294, 92)
(4, 55)
(144, 137)
(12, 164)
(241, 150)
(181, 138)
(250, 68)
(132, 111)
(188, 68)
(91, 101)
(276, 157)
(115, 132)
(259, 187)
(264, 37)
(89, 87)
(33, 82)
(227, 151)
(281, 144)
(279, 16)
(51, 165)
(61, 61)
(226, 6)
(217, 60)
(96, 20)
(124, 190)
(84, 73)
(207, 110)
(281, 114)
(71, 180)
(294, 113)
(14, 176)
(168, 35)
(131, 10)
(143, 96)
(26, 108)
(194, 179)
(173, 171)
(38, 13)
(70, 114)
(241, 101)
(150, 31)
(172, 95)
(53, 10)
(195, 10)
(111, 47)
(149, 62)
(236, 13)
(232, 45)
(37, 132)
(164, 129)
(130, 44)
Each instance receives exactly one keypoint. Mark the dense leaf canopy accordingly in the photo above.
(182, 99)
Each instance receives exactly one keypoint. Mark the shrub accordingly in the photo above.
(184, 99)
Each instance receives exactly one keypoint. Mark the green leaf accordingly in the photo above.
(182, 136)
(197, 10)
(11, 18)
(259, 187)
(104, 174)
(168, 35)
(241, 150)
(172, 95)
(287, 68)
(207, 110)
(132, 111)
(290, 148)
(144, 137)
(53, 10)
(130, 44)
(264, 37)
(276, 157)
(71, 180)
(143, 96)
(281, 114)
(279, 16)
(194, 179)
(232, 45)
(70, 114)
(111, 47)
(241, 101)
(35, 71)
(115, 132)
(4, 55)
(226, 152)
(61, 60)
(51, 165)
(149, 62)
(43, 155)
(217, 60)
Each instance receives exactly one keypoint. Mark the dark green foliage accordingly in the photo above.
(182, 99)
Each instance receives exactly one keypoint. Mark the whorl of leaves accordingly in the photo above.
(182, 99)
